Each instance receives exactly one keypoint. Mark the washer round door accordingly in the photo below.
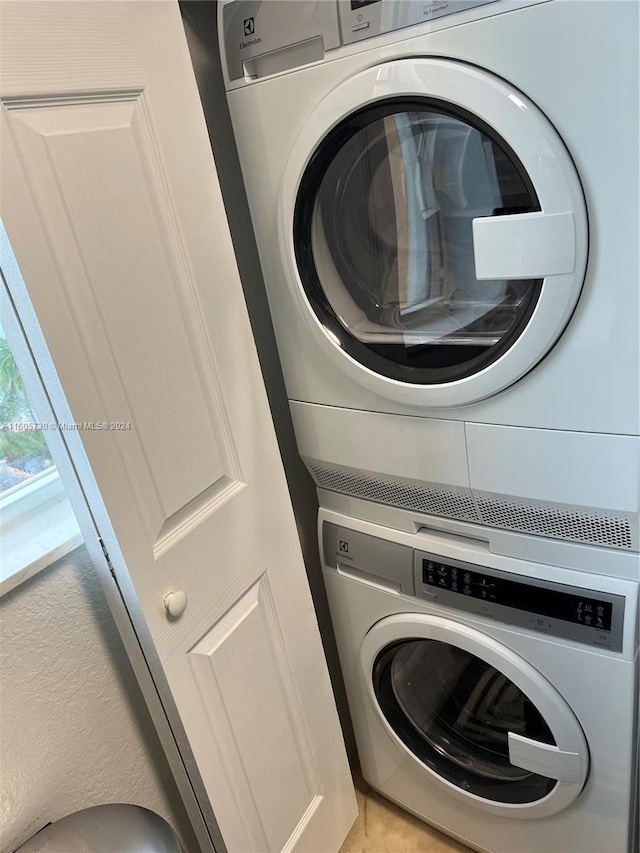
(434, 231)
(479, 719)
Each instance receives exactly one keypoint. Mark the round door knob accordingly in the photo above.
(176, 603)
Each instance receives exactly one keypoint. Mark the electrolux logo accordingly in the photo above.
(244, 44)
(249, 30)
(343, 551)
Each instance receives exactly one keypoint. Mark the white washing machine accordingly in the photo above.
(493, 698)
(445, 201)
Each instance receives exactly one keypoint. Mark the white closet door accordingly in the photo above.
(109, 195)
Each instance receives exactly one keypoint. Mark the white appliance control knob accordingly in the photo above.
(176, 603)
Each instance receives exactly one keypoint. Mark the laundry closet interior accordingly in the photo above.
(363, 279)
(451, 265)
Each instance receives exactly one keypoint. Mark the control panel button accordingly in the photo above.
(542, 606)
(363, 26)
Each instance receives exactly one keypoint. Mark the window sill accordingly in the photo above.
(37, 527)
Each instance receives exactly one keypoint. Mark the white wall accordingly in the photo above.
(74, 730)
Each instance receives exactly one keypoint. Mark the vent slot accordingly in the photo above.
(400, 493)
(552, 520)
(556, 521)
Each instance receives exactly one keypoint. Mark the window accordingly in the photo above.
(37, 523)
(23, 450)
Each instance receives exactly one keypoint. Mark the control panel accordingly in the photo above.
(560, 610)
(360, 19)
(264, 37)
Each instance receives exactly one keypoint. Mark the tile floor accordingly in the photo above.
(382, 827)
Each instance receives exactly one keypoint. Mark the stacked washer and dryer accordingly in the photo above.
(445, 200)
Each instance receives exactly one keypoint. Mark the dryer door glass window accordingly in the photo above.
(454, 711)
(384, 243)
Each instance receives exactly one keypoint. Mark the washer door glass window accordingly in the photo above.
(454, 711)
(384, 244)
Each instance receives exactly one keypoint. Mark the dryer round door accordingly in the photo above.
(476, 717)
(433, 229)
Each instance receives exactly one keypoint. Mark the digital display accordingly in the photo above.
(358, 4)
(552, 603)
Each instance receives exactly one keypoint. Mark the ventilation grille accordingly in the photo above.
(555, 521)
(396, 492)
(572, 524)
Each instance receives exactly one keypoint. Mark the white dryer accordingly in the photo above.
(493, 698)
(445, 201)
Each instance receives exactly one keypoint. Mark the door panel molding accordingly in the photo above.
(115, 138)
(262, 743)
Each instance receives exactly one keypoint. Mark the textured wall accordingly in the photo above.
(74, 730)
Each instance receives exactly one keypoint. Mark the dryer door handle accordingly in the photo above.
(544, 759)
(524, 245)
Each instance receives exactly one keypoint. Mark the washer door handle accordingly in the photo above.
(524, 245)
(544, 759)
